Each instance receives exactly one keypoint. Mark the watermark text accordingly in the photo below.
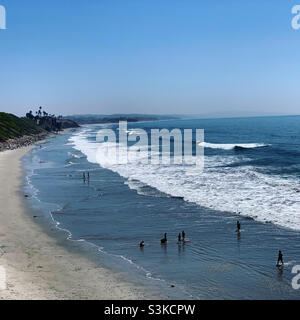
(296, 18)
(2, 17)
(296, 278)
(2, 278)
(158, 147)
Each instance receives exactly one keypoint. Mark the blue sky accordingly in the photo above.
(221, 57)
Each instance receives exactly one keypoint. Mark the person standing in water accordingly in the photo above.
(238, 226)
(280, 258)
(179, 237)
(183, 235)
(83, 176)
(142, 244)
(88, 177)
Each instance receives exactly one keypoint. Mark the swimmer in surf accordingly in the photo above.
(142, 244)
(164, 240)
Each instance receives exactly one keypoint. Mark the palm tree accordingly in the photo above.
(40, 111)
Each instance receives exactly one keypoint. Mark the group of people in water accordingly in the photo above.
(181, 239)
(86, 177)
(164, 240)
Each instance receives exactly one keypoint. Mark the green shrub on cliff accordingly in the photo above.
(12, 126)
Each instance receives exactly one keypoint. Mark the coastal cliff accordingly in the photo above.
(18, 132)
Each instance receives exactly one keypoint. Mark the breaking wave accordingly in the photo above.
(222, 187)
(231, 146)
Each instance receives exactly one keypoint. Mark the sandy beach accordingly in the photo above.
(39, 266)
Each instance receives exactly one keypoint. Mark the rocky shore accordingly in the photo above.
(20, 142)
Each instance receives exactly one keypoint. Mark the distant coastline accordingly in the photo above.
(115, 118)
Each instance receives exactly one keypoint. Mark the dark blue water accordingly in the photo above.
(252, 174)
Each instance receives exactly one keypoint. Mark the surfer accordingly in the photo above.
(142, 244)
(164, 240)
(179, 237)
(280, 258)
(238, 226)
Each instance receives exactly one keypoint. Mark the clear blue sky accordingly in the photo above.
(229, 57)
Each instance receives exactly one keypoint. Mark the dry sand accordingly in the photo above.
(40, 266)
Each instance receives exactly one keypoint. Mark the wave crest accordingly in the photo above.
(232, 146)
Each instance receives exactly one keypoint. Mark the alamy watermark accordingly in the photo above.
(296, 18)
(296, 278)
(2, 278)
(2, 17)
(161, 147)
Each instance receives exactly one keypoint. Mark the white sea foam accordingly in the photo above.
(73, 155)
(230, 146)
(237, 189)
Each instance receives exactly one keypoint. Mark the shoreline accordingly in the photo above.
(42, 266)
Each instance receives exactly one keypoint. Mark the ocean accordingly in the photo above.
(251, 174)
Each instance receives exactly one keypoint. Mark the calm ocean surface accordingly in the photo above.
(252, 174)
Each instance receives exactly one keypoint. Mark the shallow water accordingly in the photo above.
(257, 183)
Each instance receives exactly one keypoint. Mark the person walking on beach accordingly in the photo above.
(280, 258)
